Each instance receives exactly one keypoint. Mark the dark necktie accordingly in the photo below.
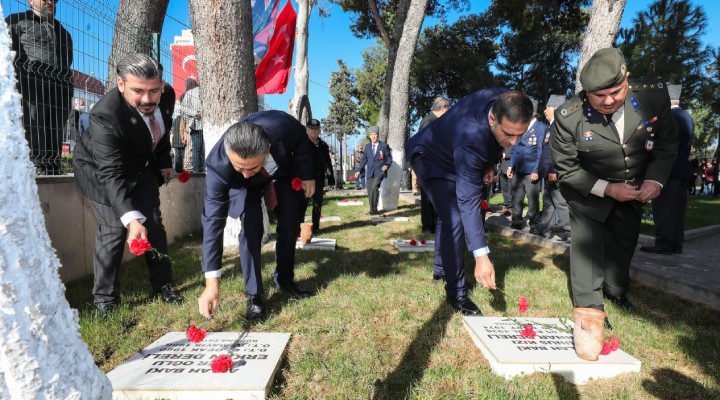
(611, 123)
(270, 195)
(155, 130)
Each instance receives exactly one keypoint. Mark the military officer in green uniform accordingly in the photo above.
(613, 147)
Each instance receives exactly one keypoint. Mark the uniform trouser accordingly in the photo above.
(428, 216)
(449, 234)
(317, 207)
(669, 214)
(111, 235)
(523, 185)
(553, 204)
(373, 190)
(600, 254)
(288, 214)
(506, 189)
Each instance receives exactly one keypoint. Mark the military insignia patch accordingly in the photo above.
(588, 136)
(649, 145)
(622, 69)
(634, 103)
(649, 128)
(660, 85)
(563, 112)
(133, 120)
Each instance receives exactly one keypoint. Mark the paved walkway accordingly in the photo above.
(693, 275)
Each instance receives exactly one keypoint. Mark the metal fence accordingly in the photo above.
(61, 65)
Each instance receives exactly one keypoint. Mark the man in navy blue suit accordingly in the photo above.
(377, 158)
(255, 158)
(454, 159)
(669, 207)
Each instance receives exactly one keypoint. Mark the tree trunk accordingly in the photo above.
(42, 355)
(302, 75)
(135, 23)
(398, 118)
(226, 72)
(384, 117)
(601, 31)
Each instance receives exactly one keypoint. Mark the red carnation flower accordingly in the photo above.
(614, 343)
(484, 205)
(528, 332)
(607, 349)
(522, 305)
(322, 216)
(221, 363)
(413, 242)
(184, 177)
(423, 241)
(296, 184)
(139, 246)
(345, 200)
(196, 335)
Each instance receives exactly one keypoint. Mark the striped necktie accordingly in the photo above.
(270, 195)
(155, 130)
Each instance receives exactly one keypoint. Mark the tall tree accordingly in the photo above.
(42, 355)
(224, 52)
(342, 119)
(398, 121)
(665, 42)
(453, 60)
(538, 48)
(369, 79)
(602, 28)
(302, 74)
(135, 24)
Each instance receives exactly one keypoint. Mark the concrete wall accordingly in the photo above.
(71, 223)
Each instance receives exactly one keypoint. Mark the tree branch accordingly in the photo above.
(379, 22)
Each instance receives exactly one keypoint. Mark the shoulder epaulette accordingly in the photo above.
(570, 107)
(647, 85)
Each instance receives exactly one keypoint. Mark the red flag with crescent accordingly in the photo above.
(273, 72)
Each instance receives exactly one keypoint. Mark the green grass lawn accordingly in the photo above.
(379, 329)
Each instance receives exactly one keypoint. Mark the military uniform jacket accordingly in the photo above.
(585, 148)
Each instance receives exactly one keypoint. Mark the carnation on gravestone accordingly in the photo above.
(221, 364)
(523, 305)
(528, 332)
(413, 242)
(423, 241)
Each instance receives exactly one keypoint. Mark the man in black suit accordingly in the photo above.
(323, 170)
(669, 207)
(378, 159)
(120, 164)
(255, 158)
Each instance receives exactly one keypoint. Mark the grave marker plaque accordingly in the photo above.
(317, 244)
(349, 203)
(388, 219)
(174, 368)
(552, 350)
(405, 246)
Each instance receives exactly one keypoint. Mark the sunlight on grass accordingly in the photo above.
(378, 328)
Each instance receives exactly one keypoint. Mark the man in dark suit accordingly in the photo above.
(120, 164)
(524, 167)
(669, 207)
(505, 181)
(554, 205)
(454, 158)
(323, 170)
(428, 216)
(378, 159)
(255, 158)
(613, 145)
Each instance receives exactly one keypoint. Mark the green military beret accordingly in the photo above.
(605, 69)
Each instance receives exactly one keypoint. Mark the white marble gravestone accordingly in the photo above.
(386, 219)
(317, 244)
(324, 218)
(174, 368)
(349, 203)
(405, 246)
(552, 350)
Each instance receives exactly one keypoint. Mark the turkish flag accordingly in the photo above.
(273, 72)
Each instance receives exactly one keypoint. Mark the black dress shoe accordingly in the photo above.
(621, 302)
(255, 308)
(546, 235)
(168, 296)
(656, 250)
(608, 325)
(516, 226)
(294, 290)
(465, 305)
(105, 309)
(438, 279)
(534, 231)
(677, 249)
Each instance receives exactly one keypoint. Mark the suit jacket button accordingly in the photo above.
(627, 159)
(625, 146)
(627, 170)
